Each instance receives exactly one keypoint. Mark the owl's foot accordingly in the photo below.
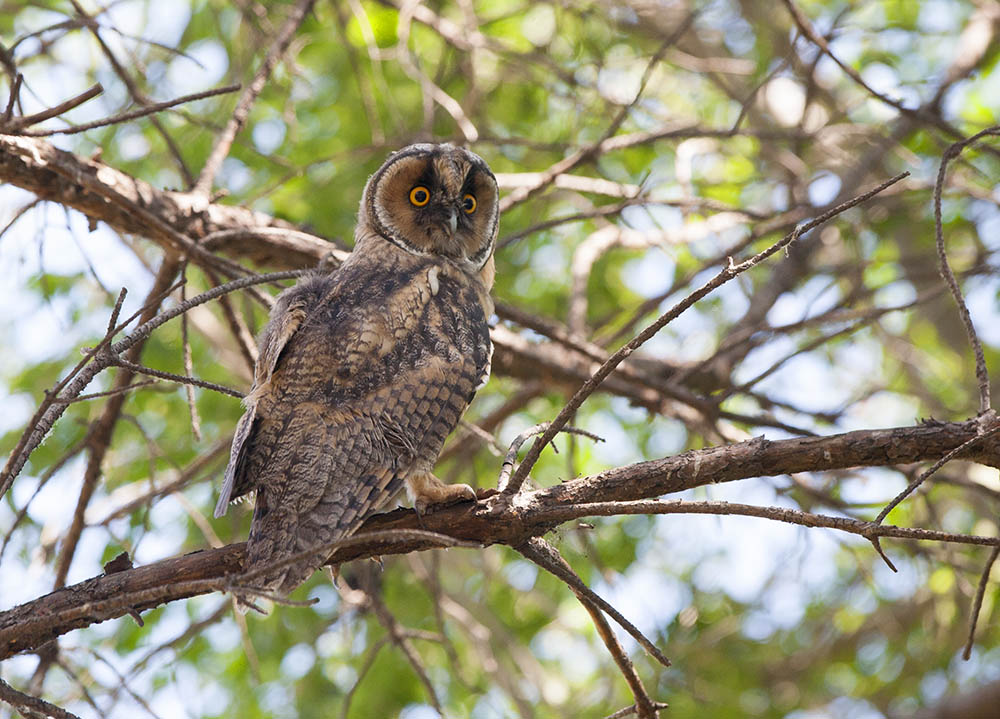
(426, 490)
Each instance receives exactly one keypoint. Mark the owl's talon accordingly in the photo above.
(426, 490)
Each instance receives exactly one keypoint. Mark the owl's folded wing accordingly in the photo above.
(289, 311)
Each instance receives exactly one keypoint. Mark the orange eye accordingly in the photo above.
(469, 203)
(419, 196)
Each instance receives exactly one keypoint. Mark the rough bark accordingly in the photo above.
(493, 520)
(53, 174)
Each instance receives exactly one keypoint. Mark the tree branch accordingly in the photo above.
(494, 520)
(38, 166)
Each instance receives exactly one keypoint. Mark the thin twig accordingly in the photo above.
(131, 114)
(398, 637)
(644, 706)
(108, 393)
(102, 357)
(868, 530)
(81, 685)
(21, 212)
(562, 167)
(296, 16)
(369, 661)
(511, 457)
(602, 211)
(548, 558)
(237, 327)
(189, 370)
(100, 437)
(155, 225)
(488, 439)
(630, 710)
(977, 603)
(926, 114)
(15, 89)
(17, 123)
(365, 90)
(147, 328)
(191, 471)
(43, 479)
(429, 89)
(133, 88)
(970, 329)
(178, 378)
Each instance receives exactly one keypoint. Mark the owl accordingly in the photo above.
(364, 371)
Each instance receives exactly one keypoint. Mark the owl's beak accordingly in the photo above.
(453, 221)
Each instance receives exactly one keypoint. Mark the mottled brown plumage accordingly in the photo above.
(363, 372)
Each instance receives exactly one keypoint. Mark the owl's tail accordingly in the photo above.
(284, 547)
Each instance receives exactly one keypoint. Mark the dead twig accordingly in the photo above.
(178, 378)
(14, 125)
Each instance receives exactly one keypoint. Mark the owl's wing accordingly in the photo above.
(290, 310)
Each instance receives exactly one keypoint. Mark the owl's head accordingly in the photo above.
(434, 200)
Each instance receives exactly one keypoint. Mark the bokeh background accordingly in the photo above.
(706, 129)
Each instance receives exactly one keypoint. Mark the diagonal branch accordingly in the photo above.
(100, 439)
(27, 703)
(725, 275)
(548, 558)
(102, 358)
(203, 185)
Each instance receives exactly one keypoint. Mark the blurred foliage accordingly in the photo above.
(743, 119)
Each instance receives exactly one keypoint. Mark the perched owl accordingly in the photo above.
(364, 371)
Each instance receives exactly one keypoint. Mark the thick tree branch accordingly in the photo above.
(494, 520)
(53, 174)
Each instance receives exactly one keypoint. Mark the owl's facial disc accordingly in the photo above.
(436, 199)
